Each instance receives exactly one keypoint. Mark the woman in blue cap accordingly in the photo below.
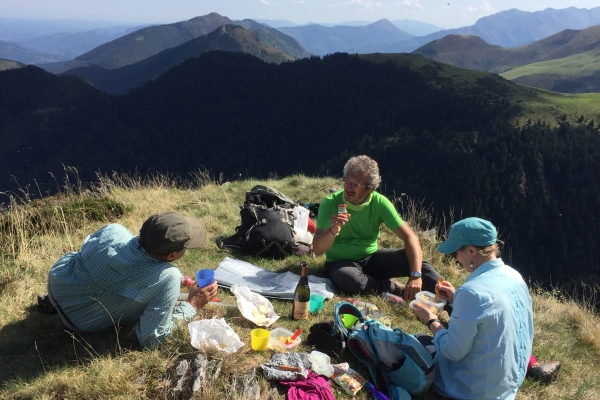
(485, 351)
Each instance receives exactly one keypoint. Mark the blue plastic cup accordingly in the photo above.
(205, 277)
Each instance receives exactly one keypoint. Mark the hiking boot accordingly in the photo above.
(397, 288)
(544, 371)
(44, 304)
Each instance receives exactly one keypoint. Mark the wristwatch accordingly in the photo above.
(415, 274)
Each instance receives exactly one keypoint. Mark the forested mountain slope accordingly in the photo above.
(448, 144)
(232, 38)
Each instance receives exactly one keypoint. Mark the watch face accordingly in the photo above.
(416, 274)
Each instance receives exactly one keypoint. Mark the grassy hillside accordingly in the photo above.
(570, 52)
(532, 104)
(8, 64)
(41, 360)
(579, 73)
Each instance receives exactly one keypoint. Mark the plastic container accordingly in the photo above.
(427, 299)
(350, 380)
(276, 345)
(392, 298)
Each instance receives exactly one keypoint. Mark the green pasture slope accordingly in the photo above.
(8, 64)
(533, 104)
(579, 73)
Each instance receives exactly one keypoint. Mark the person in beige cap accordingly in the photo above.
(118, 277)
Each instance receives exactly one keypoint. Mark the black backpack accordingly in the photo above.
(269, 197)
(267, 227)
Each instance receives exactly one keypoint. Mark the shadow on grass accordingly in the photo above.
(40, 343)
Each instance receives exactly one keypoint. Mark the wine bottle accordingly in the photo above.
(302, 295)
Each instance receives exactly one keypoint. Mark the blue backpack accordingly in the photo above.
(391, 355)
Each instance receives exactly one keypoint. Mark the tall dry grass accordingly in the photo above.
(40, 360)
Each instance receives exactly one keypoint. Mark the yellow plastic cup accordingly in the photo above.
(259, 339)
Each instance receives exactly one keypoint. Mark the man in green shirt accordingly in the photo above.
(353, 261)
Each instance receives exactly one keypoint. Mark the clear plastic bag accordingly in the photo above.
(214, 333)
(254, 306)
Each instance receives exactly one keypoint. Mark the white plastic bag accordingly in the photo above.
(301, 233)
(254, 306)
(214, 333)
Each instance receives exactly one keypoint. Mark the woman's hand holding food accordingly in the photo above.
(423, 312)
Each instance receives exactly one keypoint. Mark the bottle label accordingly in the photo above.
(301, 309)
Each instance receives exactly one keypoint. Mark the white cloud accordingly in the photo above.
(299, 2)
(414, 4)
(267, 3)
(484, 8)
(366, 4)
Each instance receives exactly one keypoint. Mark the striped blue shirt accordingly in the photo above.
(112, 280)
(485, 351)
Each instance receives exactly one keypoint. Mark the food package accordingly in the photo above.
(254, 306)
(214, 333)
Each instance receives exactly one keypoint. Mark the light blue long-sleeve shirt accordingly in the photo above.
(111, 280)
(485, 350)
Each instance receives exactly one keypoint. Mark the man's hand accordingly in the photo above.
(337, 221)
(324, 237)
(413, 286)
(445, 291)
(199, 297)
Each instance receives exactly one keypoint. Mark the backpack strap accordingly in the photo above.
(281, 248)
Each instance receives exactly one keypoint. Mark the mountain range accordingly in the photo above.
(68, 45)
(509, 28)
(323, 40)
(472, 52)
(264, 43)
(416, 28)
(150, 41)
(12, 51)
(135, 58)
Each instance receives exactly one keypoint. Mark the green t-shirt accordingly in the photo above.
(358, 238)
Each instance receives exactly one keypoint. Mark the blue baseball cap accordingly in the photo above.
(469, 231)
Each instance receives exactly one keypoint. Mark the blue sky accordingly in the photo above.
(443, 13)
